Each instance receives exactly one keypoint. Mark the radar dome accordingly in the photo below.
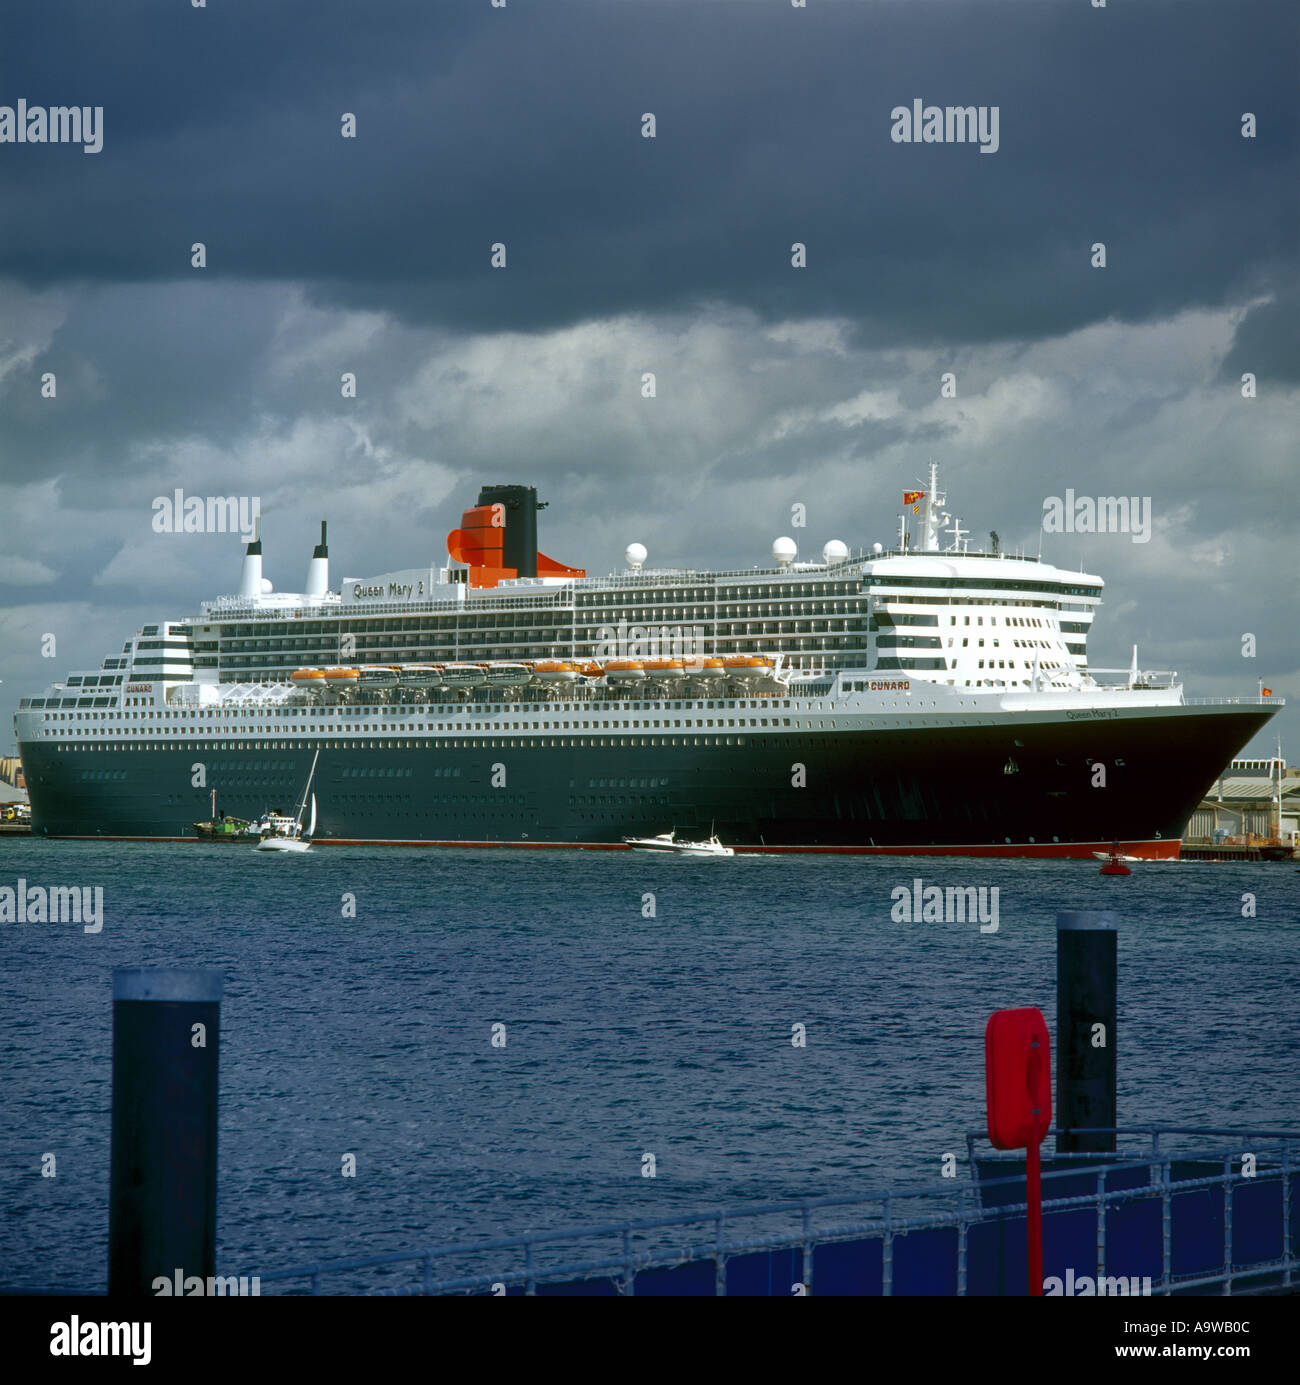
(266, 586)
(784, 551)
(877, 547)
(835, 552)
(635, 554)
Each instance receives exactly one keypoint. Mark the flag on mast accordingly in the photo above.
(913, 498)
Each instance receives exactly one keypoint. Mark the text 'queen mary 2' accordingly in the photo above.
(928, 699)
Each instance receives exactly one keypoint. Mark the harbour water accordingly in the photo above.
(649, 1006)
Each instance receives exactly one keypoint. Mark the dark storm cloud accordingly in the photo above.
(522, 125)
(776, 387)
(1267, 343)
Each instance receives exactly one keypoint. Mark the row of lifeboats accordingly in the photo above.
(748, 670)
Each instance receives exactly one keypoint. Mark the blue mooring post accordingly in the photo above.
(1085, 1030)
(162, 1214)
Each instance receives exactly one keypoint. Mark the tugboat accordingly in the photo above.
(226, 829)
(280, 833)
(667, 841)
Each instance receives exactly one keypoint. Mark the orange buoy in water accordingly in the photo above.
(1114, 865)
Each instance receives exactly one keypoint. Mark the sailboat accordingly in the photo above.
(286, 834)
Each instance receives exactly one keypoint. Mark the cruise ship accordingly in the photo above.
(925, 699)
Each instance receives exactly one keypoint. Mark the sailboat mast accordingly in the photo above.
(302, 807)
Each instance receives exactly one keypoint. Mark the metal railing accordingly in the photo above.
(617, 1254)
(1225, 701)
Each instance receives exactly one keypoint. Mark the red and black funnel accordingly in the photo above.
(498, 538)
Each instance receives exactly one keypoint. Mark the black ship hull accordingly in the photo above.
(1025, 786)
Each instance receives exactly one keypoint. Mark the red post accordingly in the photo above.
(1018, 1088)
(1034, 1221)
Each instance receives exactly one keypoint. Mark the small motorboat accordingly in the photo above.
(668, 842)
(281, 833)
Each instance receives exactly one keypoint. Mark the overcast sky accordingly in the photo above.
(776, 386)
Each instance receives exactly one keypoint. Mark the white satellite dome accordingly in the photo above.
(784, 551)
(877, 547)
(635, 555)
(266, 586)
(835, 552)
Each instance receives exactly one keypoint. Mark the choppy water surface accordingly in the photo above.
(625, 1034)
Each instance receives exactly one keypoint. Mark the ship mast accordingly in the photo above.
(934, 516)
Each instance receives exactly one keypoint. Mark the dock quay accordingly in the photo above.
(1236, 849)
(1252, 813)
(1172, 1214)
(15, 809)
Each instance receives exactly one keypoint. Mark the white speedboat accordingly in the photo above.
(668, 842)
(280, 833)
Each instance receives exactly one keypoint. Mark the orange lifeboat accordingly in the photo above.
(624, 671)
(747, 668)
(307, 677)
(708, 669)
(591, 670)
(339, 678)
(666, 670)
(555, 671)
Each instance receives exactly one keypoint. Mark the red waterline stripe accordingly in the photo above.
(1156, 850)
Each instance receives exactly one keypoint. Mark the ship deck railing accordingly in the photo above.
(1200, 1225)
(1234, 701)
(228, 606)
